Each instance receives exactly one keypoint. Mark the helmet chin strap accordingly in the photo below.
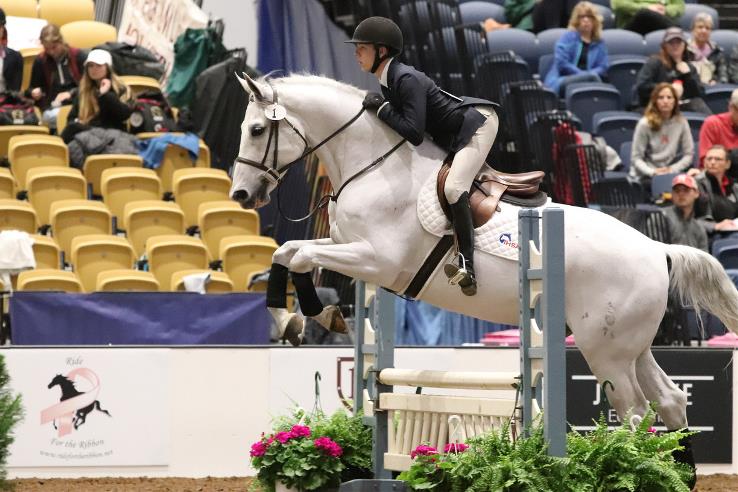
(377, 59)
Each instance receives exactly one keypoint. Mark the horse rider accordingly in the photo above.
(412, 104)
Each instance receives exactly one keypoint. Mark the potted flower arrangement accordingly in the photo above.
(312, 452)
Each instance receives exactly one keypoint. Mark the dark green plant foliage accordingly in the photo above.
(11, 413)
(600, 461)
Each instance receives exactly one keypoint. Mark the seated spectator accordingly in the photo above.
(580, 54)
(644, 16)
(55, 73)
(672, 65)
(683, 227)
(102, 99)
(11, 70)
(718, 203)
(707, 57)
(662, 142)
(722, 129)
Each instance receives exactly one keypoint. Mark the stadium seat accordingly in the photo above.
(625, 150)
(8, 131)
(86, 34)
(193, 186)
(95, 253)
(138, 84)
(72, 218)
(723, 242)
(96, 164)
(62, 118)
(476, 12)
(62, 12)
(695, 121)
(126, 280)
(175, 158)
(21, 8)
(171, 253)
(46, 252)
(46, 279)
(143, 219)
(220, 219)
(7, 184)
(717, 96)
(17, 215)
(617, 192)
(243, 255)
(615, 127)
(622, 73)
(622, 42)
(29, 56)
(120, 185)
(587, 98)
(49, 184)
(547, 44)
(29, 152)
(660, 184)
(545, 62)
(728, 256)
(522, 43)
(691, 11)
(219, 282)
(727, 39)
(653, 41)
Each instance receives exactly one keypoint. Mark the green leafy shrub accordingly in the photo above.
(11, 413)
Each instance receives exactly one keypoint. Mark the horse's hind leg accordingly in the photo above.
(618, 379)
(97, 407)
(659, 388)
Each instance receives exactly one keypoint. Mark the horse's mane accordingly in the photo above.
(314, 80)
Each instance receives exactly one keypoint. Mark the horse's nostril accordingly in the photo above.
(240, 195)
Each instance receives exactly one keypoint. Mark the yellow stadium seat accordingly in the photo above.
(143, 219)
(194, 186)
(17, 215)
(62, 12)
(48, 184)
(72, 218)
(96, 164)
(8, 131)
(27, 152)
(7, 184)
(219, 281)
(86, 34)
(139, 84)
(46, 252)
(220, 219)
(127, 281)
(203, 157)
(95, 253)
(62, 118)
(120, 185)
(44, 279)
(175, 157)
(243, 255)
(172, 253)
(21, 8)
(29, 56)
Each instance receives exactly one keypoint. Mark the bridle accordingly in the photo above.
(275, 175)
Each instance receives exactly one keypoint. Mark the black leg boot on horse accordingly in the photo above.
(463, 272)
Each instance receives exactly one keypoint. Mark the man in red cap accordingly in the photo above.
(683, 226)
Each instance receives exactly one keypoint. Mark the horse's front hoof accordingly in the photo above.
(293, 332)
(338, 324)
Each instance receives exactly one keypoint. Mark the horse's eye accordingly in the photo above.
(257, 130)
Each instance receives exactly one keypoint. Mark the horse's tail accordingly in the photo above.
(701, 282)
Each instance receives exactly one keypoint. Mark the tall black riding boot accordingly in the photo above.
(463, 273)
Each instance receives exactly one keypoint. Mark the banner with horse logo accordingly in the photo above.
(87, 407)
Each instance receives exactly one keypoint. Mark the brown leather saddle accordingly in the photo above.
(490, 187)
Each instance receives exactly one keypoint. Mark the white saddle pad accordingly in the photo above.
(498, 237)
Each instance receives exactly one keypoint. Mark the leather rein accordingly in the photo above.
(275, 175)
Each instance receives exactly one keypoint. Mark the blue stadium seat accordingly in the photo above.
(717, 96)
(622, 42)
(660, 184)
(653, 41)
(545, 62)
(695, 121)
(522, 43)
(478, 11)
(725, 38)
(622, 74)
(608, 17)
(587, 98)
(625, 149)
(615, 127)
(692, 9)
(720, 243)
(728, 256)
(547, 39)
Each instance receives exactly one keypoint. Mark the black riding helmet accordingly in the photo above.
(379, 31)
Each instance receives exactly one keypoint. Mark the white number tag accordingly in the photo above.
(275, 112)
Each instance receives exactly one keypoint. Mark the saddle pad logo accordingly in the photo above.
(506, 239)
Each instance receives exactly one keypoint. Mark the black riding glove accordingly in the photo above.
(373, 101)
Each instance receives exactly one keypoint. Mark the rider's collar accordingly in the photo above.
(385, 71)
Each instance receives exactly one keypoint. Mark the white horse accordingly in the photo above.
(617, 279)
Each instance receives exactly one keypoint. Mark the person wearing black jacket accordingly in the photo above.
(672, 65)
(412, 105)
(11, 62)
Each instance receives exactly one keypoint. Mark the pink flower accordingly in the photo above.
(328, 446)
(423, 450)
(283, 437)
(652, 430)
(259, 448)
(455, 447)
(300, 431)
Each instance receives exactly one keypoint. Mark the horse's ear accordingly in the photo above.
(250, 86)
